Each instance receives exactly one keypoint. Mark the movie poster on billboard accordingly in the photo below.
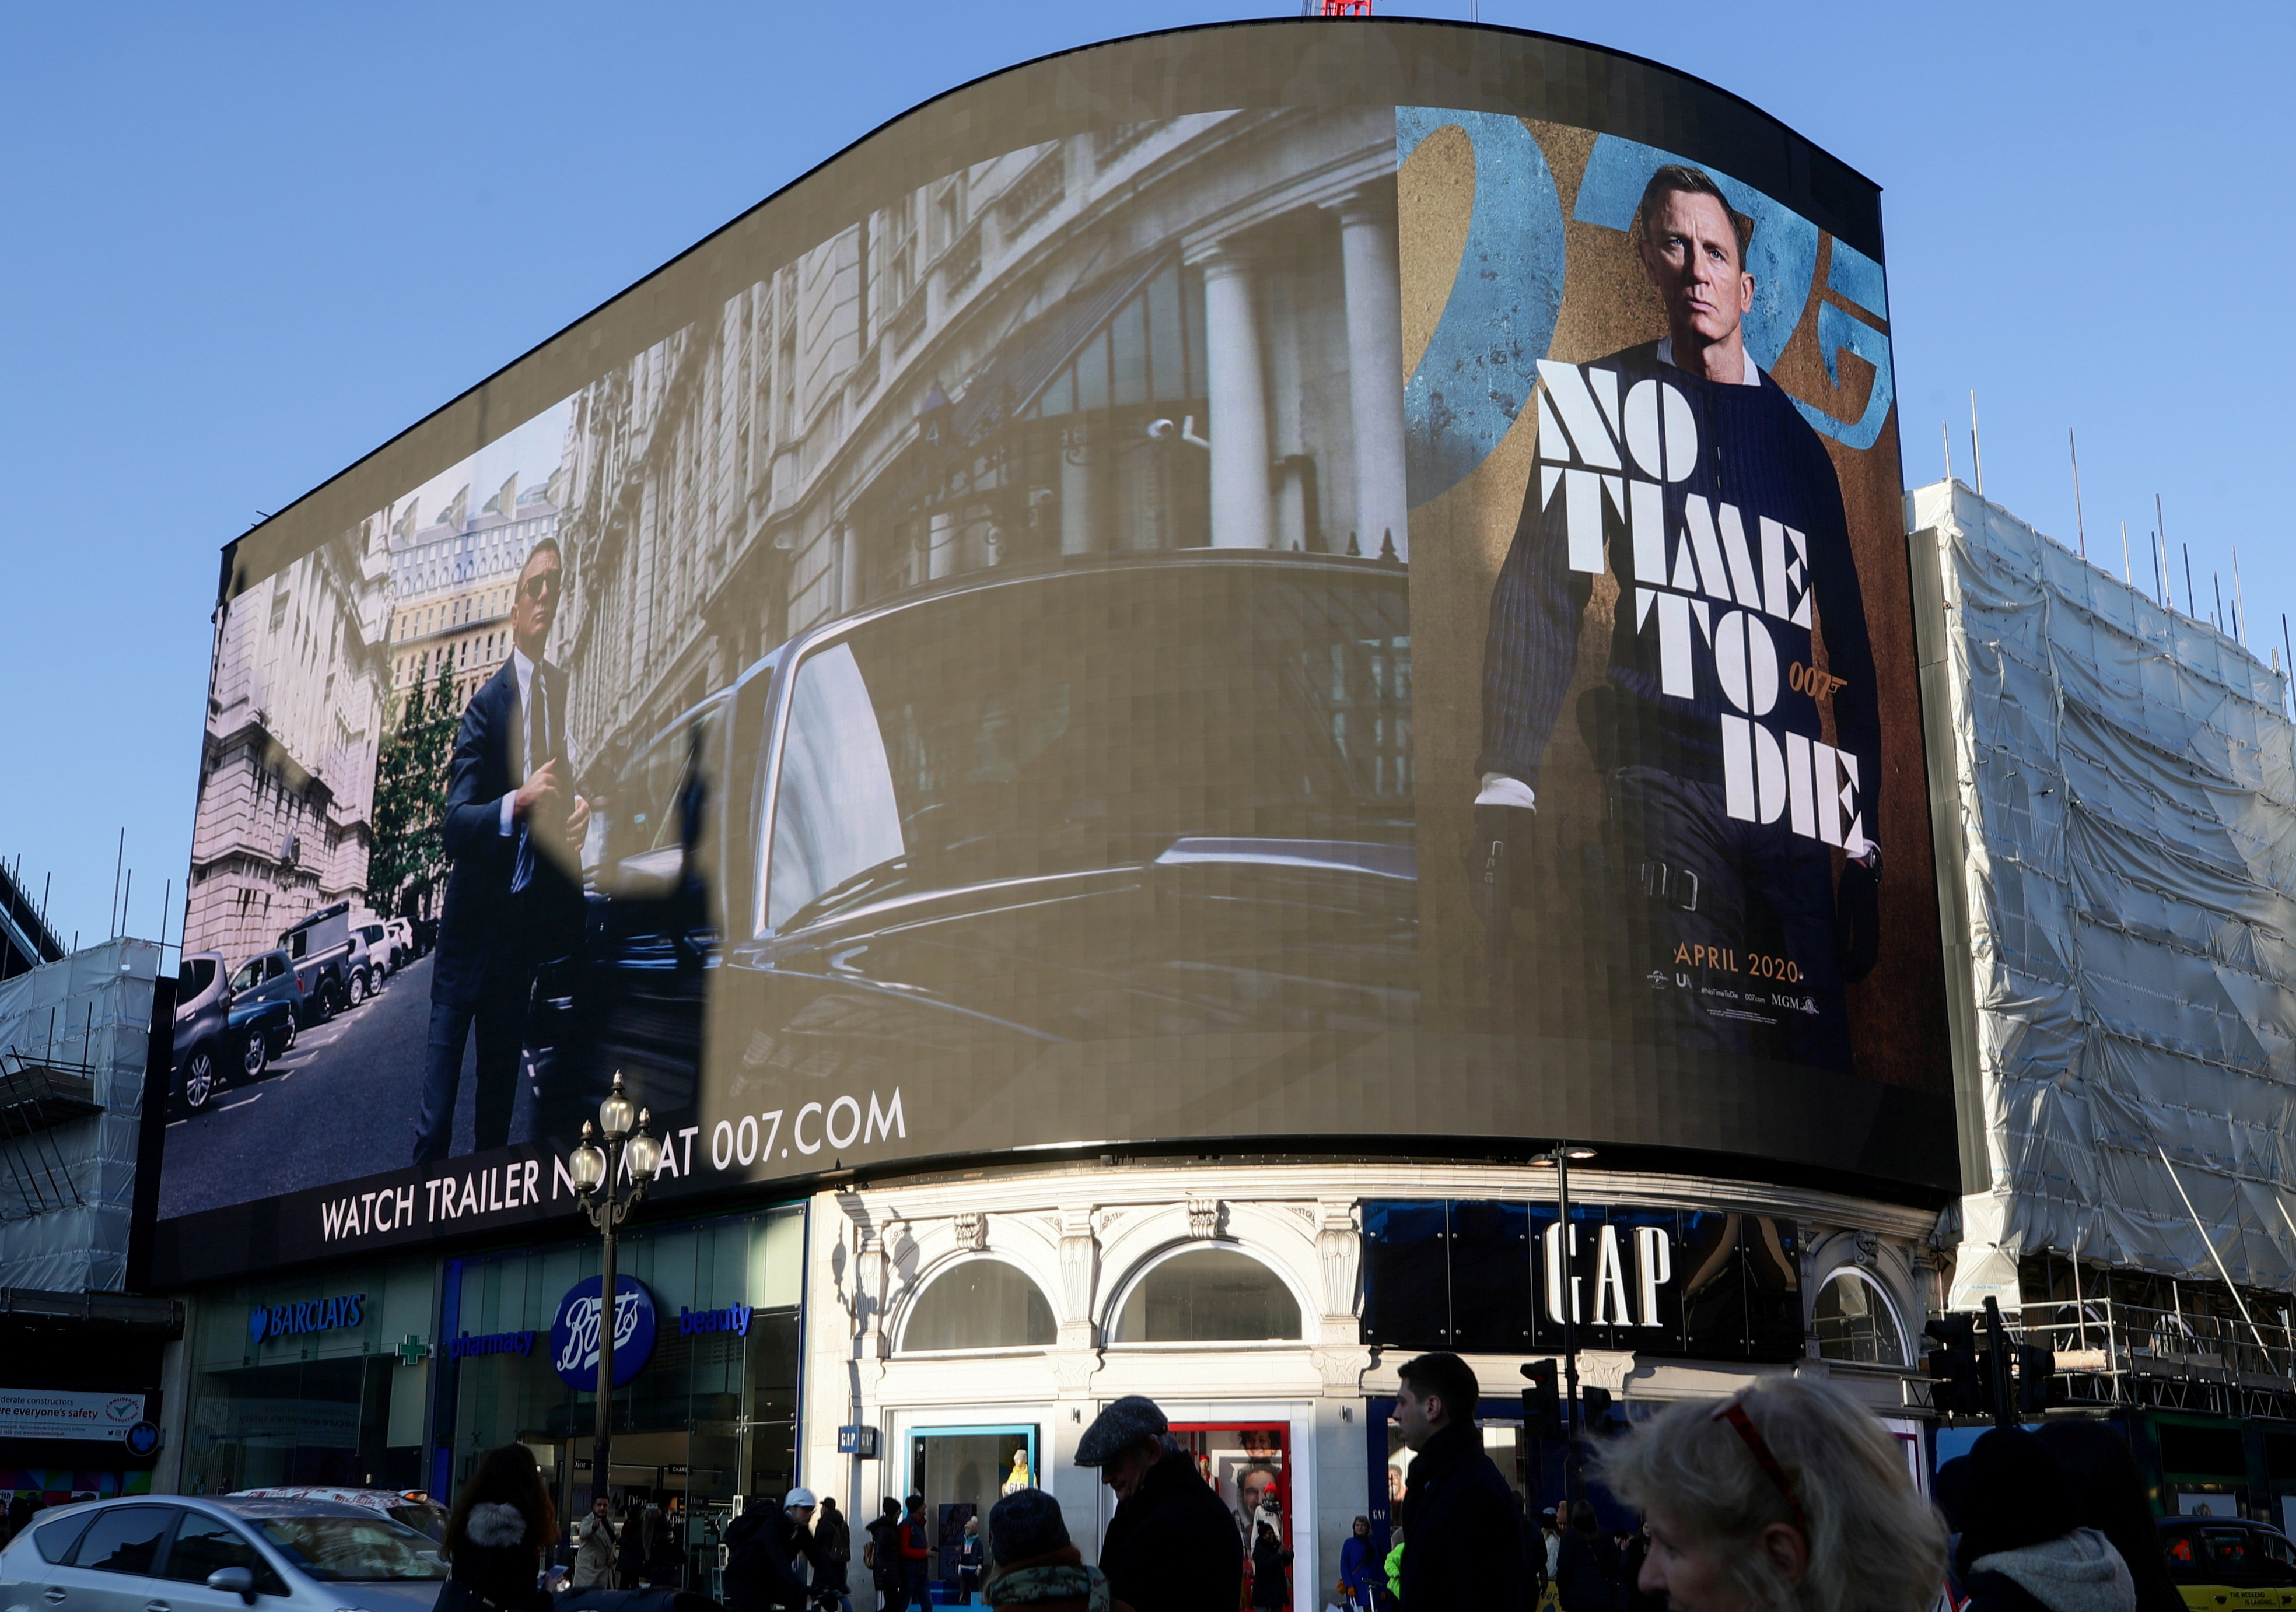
(1661, 611)
(1276, 622)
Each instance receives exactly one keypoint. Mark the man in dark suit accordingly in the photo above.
(510, 901)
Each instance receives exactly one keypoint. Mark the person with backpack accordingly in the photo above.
(882, 1556)
(833, 1551)
(764, 1548)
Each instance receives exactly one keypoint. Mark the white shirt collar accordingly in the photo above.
(524, 670)
(1666, 357)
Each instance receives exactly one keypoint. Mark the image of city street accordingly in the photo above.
(337, 1105)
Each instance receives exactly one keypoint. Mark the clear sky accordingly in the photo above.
(246, 245)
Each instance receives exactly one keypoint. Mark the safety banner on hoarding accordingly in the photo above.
(68, 1414)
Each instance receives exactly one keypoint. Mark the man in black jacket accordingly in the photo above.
(509, 902)
(763, 1548)
(833, 1549)
(1459, 1514)
(1172, 1545)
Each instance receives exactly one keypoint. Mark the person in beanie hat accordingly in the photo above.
(2022, 1545)
(1036, 1565)
(1172, 1545)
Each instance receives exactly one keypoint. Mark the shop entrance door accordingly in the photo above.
(962, 1472)
(691, 1476)
(1249, 1466)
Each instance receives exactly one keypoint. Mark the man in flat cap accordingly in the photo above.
(1172, 1545)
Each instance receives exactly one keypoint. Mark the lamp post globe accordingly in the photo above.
(614, 1113)
(644, 1150)
(589, 1164)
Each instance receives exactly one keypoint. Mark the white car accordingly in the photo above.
(195, 1553)
(411, 1507)
(386, 952)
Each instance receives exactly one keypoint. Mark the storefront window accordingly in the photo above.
(713, 1413)
(312, 1381)
(1208, 1296)
(1853, 1322)
(981, 1304)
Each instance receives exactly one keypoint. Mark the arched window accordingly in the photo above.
(1208, 1296)
(981, 1304)
(1854, 1321)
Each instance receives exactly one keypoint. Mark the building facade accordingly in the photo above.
(295, 716)
(1001, 572)
(2112, 784)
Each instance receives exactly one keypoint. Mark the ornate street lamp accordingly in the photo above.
(596, 1170)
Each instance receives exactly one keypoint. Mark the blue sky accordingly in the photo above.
(248, 243)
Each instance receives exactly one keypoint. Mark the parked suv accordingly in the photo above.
(382, 949)
(329, 962)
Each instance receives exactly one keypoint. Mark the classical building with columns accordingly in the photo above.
(1176, 333)
(949, 1314)
(295, 716)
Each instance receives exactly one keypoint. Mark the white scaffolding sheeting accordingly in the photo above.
(2126, 800)
(67, 1185)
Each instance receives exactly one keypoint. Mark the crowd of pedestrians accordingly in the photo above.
(1788, 1496)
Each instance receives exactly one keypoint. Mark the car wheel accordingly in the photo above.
(199, 1080)
(358, 989)
(252, 1060)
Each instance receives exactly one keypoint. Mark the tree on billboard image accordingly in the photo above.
(410, 796)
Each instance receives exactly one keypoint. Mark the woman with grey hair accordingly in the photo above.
(1788, 1497)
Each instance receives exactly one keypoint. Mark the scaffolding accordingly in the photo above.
(74, 1038)
(2114, 796)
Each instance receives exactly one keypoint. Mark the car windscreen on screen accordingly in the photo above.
(1299, 616)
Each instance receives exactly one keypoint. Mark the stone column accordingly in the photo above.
(1244, 506)
(1374, 298)
(940, 547)
(1080, 510)
(848, 570)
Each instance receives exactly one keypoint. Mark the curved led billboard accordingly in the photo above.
(1294, 581)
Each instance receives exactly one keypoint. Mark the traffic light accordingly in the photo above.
(2035, 1366)
(1595, 1409)
(1961, 1386)
(1542, 1403)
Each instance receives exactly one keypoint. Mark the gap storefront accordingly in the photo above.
(401, 1373)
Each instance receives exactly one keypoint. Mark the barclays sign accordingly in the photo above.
(574, 1332)
(320, 1315)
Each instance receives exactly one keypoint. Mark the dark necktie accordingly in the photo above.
(538, 749)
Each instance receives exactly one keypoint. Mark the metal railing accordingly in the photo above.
(2118, 1354)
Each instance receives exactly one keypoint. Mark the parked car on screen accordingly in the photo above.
(402, 940)
(2229, 1562)
(326, 956)
(223, 1034)
(269, 979)
(1162, 794)
(189, 1553)
(383, 950)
